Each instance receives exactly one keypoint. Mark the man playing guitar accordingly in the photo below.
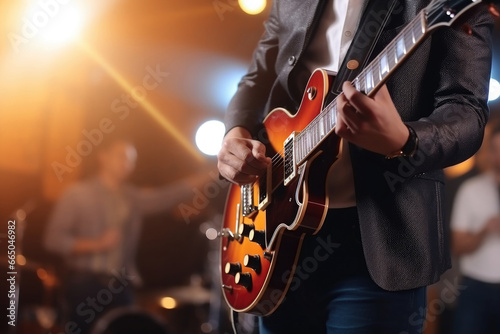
(383, 237)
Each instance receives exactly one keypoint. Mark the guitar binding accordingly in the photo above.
(290, 165)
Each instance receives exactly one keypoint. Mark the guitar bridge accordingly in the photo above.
(290, 165)
(247, 208)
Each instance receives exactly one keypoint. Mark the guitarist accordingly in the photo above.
(384, 231)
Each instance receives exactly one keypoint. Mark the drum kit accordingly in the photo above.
(39, 308)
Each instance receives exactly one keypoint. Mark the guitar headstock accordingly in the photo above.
(445, 12)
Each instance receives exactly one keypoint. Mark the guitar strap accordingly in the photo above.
(375, 17)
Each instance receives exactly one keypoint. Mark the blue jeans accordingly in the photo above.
(478, 308)
(332, 291)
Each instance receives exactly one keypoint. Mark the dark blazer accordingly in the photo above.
(441, 92)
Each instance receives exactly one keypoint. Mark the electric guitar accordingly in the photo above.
(265, 222)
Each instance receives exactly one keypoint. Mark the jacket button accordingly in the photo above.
(291, 60)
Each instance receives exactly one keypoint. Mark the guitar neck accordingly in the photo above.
(373, 76)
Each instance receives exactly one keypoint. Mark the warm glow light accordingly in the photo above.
(150, 108)
(494, 90)
(252, 7)
(168, 302)
(42, 274)
(460, 169)
(209, 137)
(54, 22)
(65, 27)
(21, 260)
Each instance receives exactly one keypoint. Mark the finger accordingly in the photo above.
(341, 128)
(241, 166)
(251, 151)
(235, 176)
(362, 103)
(259, 152)
(350, 116)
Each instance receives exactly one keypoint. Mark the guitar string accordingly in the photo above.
(408, 36)
(309, 130)
(375, 64)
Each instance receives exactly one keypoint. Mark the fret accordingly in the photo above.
(298, 151)
(333, 114)
(357, 85)
(409, 40)
(384, 65)
(362, 81)
(421, 27)
(391, 57)
(400, 48)
(309, 141)
(377, 77)
(316, 134)
(369, 81)
(328, 120)
(302, 146)
(326, 125)
(366, 82)
(306, 141)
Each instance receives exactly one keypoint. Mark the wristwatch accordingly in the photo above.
(409, 148)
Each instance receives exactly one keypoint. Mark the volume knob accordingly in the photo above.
(232, 268)
(252, 261)
(244, 279)
(258, 236)
(245, 229)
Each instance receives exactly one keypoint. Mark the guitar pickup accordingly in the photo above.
(290, 167)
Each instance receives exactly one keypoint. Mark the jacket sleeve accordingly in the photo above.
(454, 130)
(247, 107)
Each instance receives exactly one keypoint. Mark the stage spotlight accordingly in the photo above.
(53, 22)
(66, 27)
(252, 7)
(209, 137)
(494, 90)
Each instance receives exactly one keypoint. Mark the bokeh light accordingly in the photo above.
(209, 137)
(168, 303)
(252, 7)
(54, 23)
(494, 90)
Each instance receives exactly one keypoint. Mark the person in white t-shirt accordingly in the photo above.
(475, 223)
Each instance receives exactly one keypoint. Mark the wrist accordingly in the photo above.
(238, 132)
(409, 147)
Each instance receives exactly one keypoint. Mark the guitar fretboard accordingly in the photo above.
(368, 81)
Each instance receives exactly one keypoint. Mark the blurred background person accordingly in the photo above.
(95, 227)
(475, 223)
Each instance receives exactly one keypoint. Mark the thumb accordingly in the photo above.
(259, 151)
